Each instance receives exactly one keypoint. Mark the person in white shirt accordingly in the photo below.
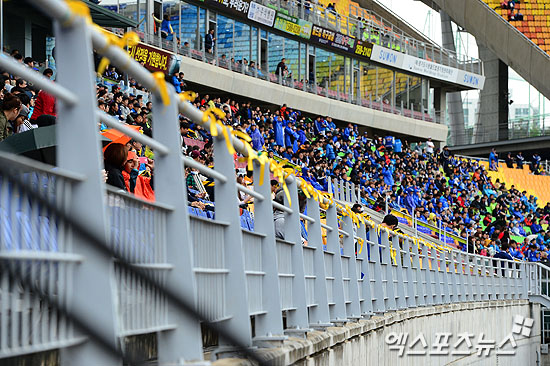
(430, 146)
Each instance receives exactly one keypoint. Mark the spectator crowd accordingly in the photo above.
(415, 180)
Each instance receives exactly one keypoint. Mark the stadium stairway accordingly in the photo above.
(508, 43)
(536, 185)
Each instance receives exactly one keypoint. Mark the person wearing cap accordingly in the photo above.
(21, 123)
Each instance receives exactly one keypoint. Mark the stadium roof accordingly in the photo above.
(108, 18)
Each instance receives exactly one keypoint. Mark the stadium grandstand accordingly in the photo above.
(268, 182)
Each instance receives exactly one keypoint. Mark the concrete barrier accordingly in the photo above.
(364, 342)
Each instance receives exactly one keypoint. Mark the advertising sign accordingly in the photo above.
(153, 59)
(341, 42)
(426, 68)
(292, 25)
(261, 14)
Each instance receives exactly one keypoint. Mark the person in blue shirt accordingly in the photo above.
(176, 82)
(278, 130)
(257, 138)
(535, 166)
(388, 142)
(398, 146)
(166, 30)
(532, 254)
(493, 160)
(388, 177)
(291, 136)
(330, 152)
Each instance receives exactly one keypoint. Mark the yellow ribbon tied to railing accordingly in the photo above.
(161, 87)
(281, 173)
(129, 39)
(361, 242)
(188, 96)
(393, 254)
(77, 8)
(215, 115)
(263, 160)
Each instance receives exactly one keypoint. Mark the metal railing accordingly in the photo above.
(74, 251)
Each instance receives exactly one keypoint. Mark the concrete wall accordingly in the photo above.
(363, 343)
(235, 83)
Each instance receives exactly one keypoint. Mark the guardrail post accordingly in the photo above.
(467, 280)
(319, 316)
(297, 319)
(93, 299)
(420, 293)
(185, 341)
(268, 326)
(227, 210)
(365, 273)
(426, 276)
(475, 278)
(378, 303)
(409, 277)
(444, 277)
(338, 307)
(436, 282)
(386, 261)
(353, 308)
(457, 278)
(451, 276)
(401, 294)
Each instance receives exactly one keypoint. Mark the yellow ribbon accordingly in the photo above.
(263, 160)
(214, 115)
(188, 96)
(129, 39)
(281, 173)
(78, 8)
(393, 254)
(361, 242)
(161, 87)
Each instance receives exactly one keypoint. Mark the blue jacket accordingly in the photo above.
(279, 133)
(388, 177)
(257, 140)
(290, 136)
(398, 146)
(177, 84)
(330, 152)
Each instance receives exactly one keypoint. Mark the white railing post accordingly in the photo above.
(387, 270)
(426, 275)
(409, 276)
(418, 276)
(297, 319)
(93, 299)
(227, 210)
(353, 308)
(436, 281)
(319, 316)
(185, 341)
(338, 306)
(364, 274)
(401, 296)
(268, 326)
(375, 270)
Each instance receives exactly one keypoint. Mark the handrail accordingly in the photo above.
(112, 122)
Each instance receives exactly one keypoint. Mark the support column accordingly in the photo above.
(493, 111)
(28, 37)
(456, 112)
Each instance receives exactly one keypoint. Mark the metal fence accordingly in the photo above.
(52, 265)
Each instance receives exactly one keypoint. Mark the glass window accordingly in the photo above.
(241, 46)
(225, 36)
(291, 55)
(275, 47)
(188, 24)
(322, 66)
